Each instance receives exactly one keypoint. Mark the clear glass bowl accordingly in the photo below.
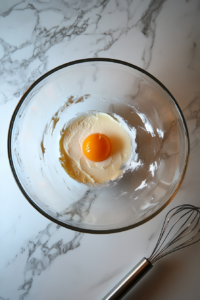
(113, 87)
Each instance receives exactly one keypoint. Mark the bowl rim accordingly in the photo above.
(68, 226)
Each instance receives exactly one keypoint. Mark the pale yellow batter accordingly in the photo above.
(77, 165)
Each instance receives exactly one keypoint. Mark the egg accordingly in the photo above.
(94, 148)
(97, 147)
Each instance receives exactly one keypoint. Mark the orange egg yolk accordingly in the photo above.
(97, 147)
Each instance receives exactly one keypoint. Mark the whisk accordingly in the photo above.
(183, 231)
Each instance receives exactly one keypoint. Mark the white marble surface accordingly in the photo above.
(39, 260)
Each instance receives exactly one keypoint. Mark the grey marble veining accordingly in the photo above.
(81, 208)
(26, 52)
(192, 113)
(40, 260)
(39, 252)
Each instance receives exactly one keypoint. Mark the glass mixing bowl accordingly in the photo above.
(114, 87)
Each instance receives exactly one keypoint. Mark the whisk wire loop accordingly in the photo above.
(191, 220)
(184, 228)
(178, 235)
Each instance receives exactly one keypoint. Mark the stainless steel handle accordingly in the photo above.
(122, 288)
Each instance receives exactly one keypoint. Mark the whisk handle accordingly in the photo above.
(122, 288)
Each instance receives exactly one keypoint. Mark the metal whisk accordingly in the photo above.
(183, 231)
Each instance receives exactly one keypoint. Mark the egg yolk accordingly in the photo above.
(97, 147)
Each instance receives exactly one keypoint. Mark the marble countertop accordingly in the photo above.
(38, 259)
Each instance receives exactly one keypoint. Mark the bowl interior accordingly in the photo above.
(113, 87)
